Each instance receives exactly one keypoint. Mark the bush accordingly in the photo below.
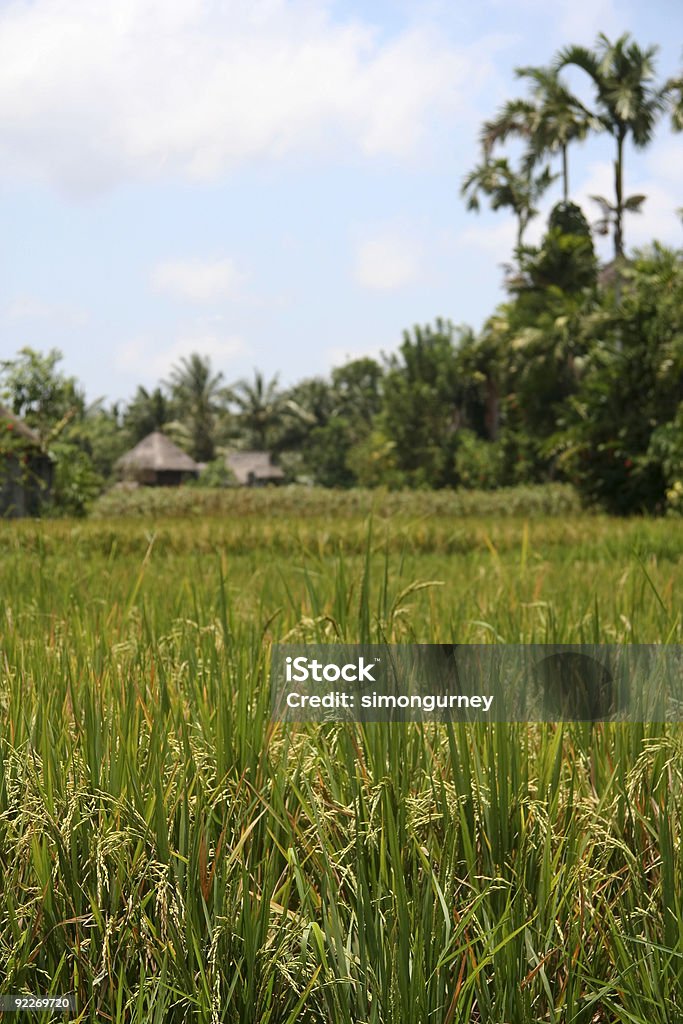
(479, 463)
(216, 473)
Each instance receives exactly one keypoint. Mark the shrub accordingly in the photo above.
(479, 463)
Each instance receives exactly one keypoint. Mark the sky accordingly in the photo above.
(275, 183)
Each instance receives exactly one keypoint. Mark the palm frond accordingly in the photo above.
(634, 203)
(606, 207)
(580, 57)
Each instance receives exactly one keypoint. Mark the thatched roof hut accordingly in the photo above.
(254, 469)
(25, 469)
(157, 461)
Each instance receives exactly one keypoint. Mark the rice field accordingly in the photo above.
(168, 854)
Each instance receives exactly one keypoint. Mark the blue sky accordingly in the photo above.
(273, 184)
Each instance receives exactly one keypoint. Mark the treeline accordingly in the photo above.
(577, 377)
(565, 382)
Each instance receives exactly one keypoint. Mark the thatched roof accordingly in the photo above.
(20, 429)
(158, 454)
(249, 467)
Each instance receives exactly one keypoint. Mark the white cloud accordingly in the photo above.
(198, 280)
(665, 160)
(147, 358)
(497, 239)
(581, 20)
(387, 262)
(28, 307)
(94, 93)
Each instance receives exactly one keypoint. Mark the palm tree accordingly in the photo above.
(506, 189)
(609, 212)
(549, 121)
(148, 411)
(516, 117)
(628, 105)
(357, 386)
(197, 393)
(259, 409)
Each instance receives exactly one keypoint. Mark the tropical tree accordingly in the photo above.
(505, 188)
(37, 390)
(198, 397)
(147, 411)
(307, 405)
(548, 122)
(302, 413)
(517, 118)
(260, 409)
(325, 420)
(628, 104)
(565, 260)
(625, 446)
(479, 361)
(673, 90)
(54, 405)
(101, 436)
(357, 387)
(422, 403)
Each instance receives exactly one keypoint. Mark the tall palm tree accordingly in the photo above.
(147, 411)
(549, 121)
(628, 104)
(563, 119)
(259, 409)
(506, 189)
(197, 393)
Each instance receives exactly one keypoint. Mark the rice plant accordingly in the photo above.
(168, 853)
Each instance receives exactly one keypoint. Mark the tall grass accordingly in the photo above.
(169, 854)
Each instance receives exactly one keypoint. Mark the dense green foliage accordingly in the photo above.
(625, 424)
(82, 441)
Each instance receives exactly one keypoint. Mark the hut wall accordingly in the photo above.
(24, 488)
(12, 493)
(162, 477)
(38, 484)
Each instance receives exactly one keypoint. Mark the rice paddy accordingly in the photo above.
(169, 854)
